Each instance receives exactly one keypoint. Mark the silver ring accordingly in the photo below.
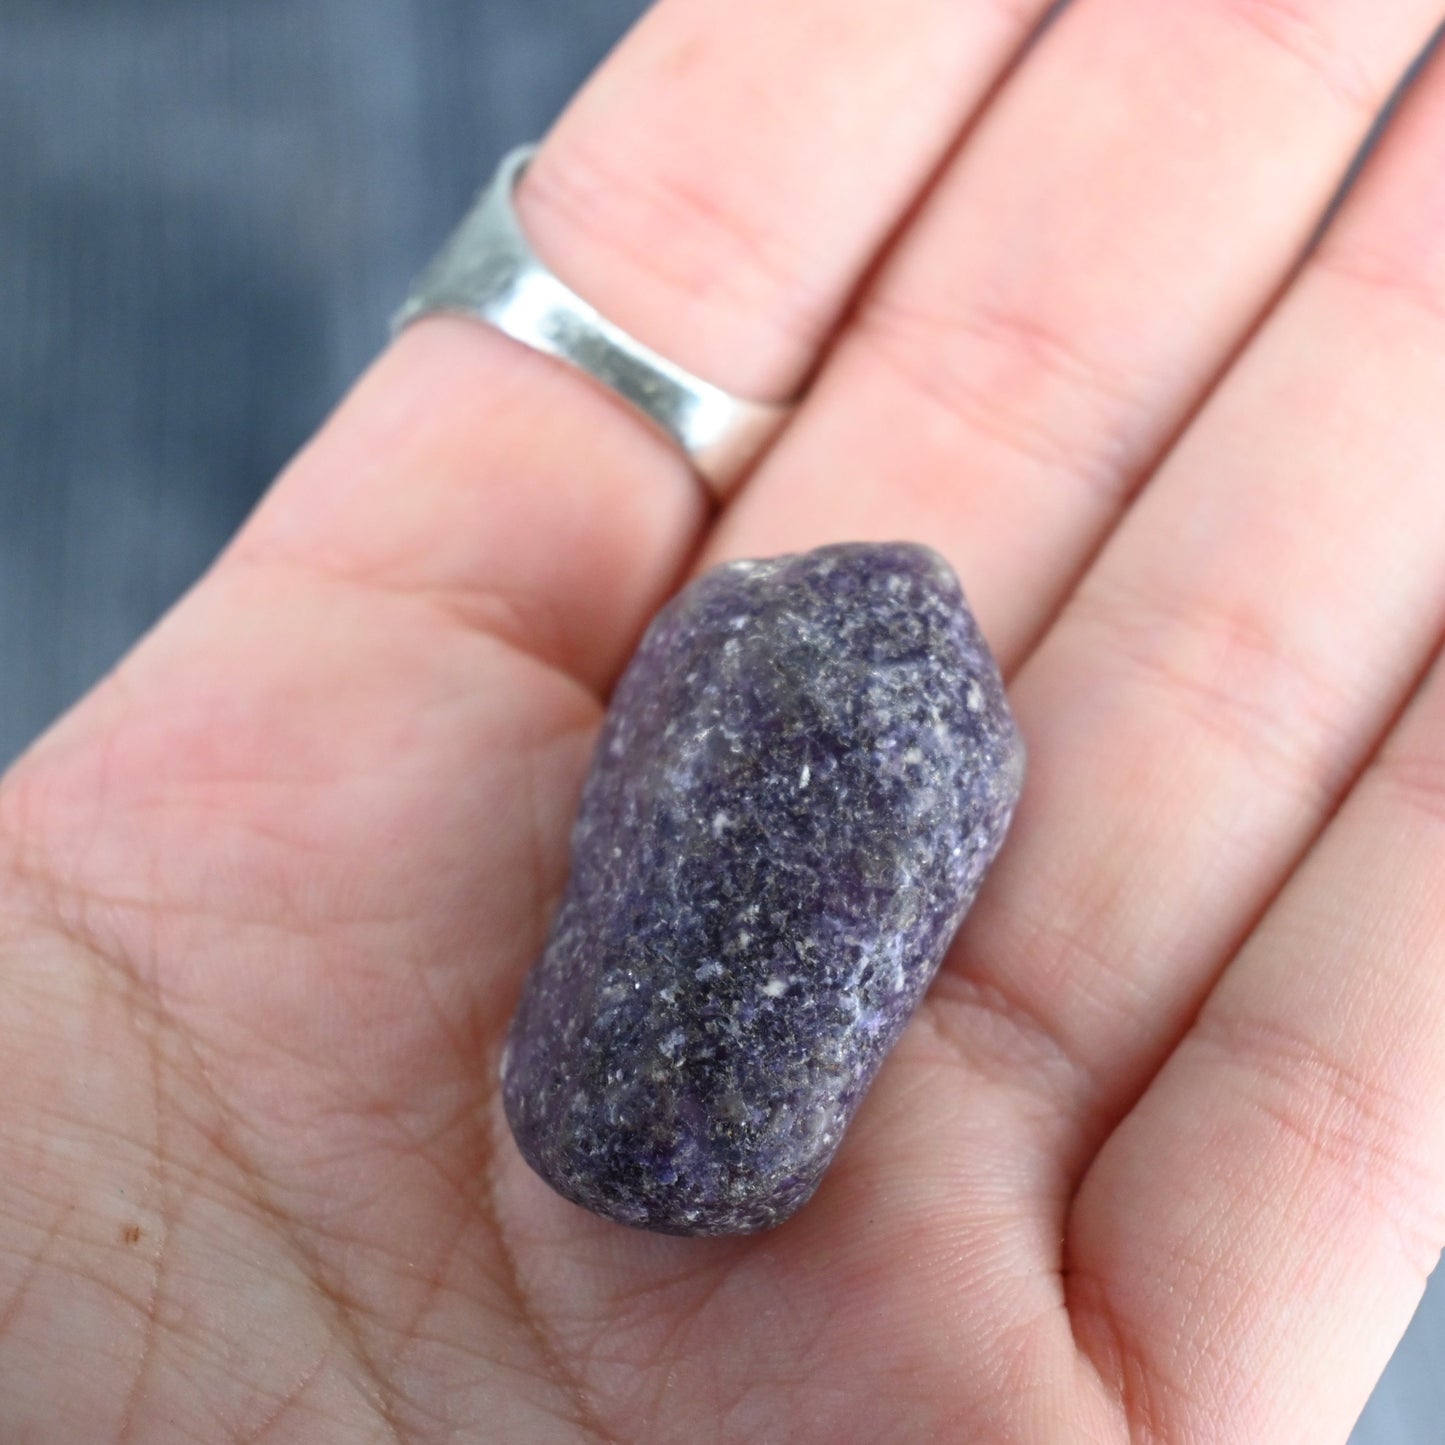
(488, 270)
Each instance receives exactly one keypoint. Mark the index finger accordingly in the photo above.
(718, 189)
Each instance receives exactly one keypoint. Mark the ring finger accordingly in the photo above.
(1233, 656)
(1120, 218)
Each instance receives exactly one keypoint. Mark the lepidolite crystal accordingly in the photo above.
(803, 775)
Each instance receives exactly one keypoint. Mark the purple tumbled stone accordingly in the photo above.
(804, 773)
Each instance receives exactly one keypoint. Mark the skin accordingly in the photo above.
(1163, 1156)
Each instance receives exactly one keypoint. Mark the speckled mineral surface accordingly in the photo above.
(803, 775)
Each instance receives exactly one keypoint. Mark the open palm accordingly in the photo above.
(1163, 1156)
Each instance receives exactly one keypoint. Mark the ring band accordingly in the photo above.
(488, 270)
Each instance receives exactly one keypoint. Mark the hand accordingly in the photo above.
(1163, 1156)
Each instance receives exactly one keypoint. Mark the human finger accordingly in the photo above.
(721, 186)
(1121, 216)
(676, 199)
(1286, 1171)
(1254, 1239)
(1232, 658)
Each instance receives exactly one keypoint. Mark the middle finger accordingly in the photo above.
(1125, 210)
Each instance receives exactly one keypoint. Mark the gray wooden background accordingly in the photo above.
(207, 212)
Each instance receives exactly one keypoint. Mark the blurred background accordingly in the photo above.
(208, 212)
